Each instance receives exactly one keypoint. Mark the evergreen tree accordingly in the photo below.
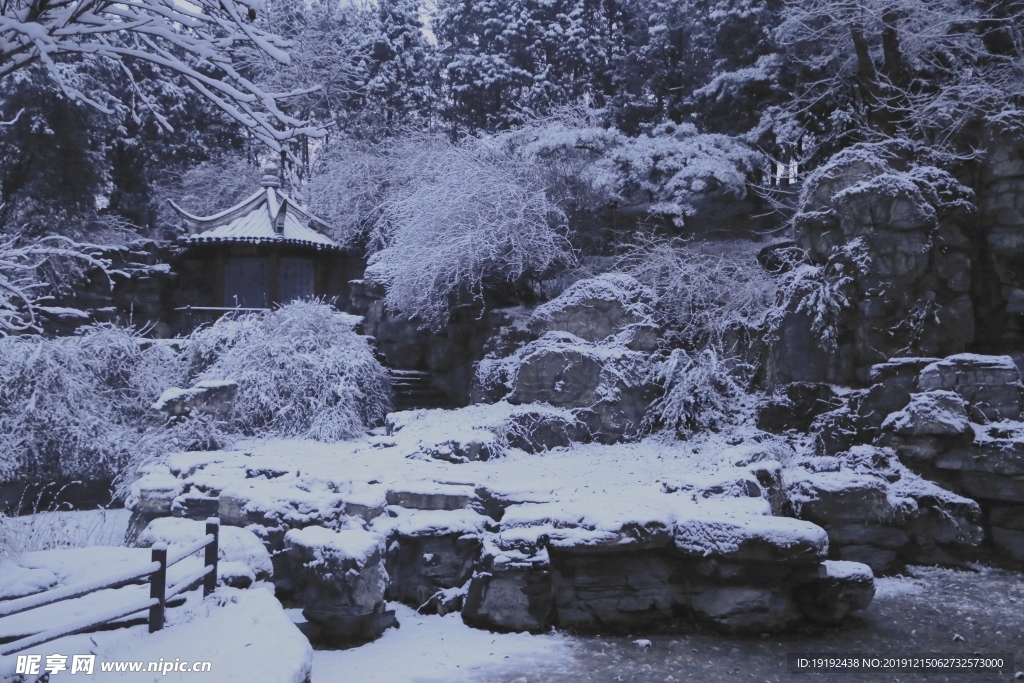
(505, 61)
(399, 90)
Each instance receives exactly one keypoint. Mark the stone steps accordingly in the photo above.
(415, 389)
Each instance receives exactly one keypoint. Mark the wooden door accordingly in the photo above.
(296, 279)
(246, 283)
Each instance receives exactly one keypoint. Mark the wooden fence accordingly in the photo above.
(159, 592)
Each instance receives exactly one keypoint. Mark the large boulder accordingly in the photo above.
(879, 513)
(344, 581)
(596, 308)
(237, 546)
(608, 387)
(934, 413)
(431, 556)
(892, 218)
(990, 384)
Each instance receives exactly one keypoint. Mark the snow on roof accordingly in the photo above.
(268, 215)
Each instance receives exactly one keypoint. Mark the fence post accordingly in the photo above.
(158, 587)
(210, 580)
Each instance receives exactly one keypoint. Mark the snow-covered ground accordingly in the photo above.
(363, 470)
(435, 649)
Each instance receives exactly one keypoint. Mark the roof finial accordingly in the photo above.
(270, 176)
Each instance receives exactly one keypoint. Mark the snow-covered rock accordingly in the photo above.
(154, 492)
(839, 588)
(608, 387)
(343, 580)
(596, 308)
(990, 384)
(211, 397)
(233, 544)
(933, 413)
(483, 432)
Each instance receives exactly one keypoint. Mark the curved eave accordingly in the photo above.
(225, 216)
(319, 246)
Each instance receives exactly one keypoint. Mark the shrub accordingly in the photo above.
(301, 371)
(458, 217)
(703, 290)
(80, 407)
(700, 393)
(75, 407)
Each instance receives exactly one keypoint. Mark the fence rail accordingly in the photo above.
(159, 593)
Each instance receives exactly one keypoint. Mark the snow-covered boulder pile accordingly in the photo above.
(343, 582)
(953, 421)
(512, 544)
(878, 512)
(590, 353)
(600, 564)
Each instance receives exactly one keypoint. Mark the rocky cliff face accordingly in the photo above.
(885, 216)
(999, 279)
(936, 262)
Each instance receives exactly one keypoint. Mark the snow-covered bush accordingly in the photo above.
(700, 393)
(75, 407)
(460, 216)
(348, 188)
(81, 406)
(301, 371)
(704, 290)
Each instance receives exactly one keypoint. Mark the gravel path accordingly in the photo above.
(922, 612)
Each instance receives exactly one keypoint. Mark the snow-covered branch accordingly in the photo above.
(23, 280)
(198, 40)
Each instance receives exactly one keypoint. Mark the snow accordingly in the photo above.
(979, 361)
(726, 533)
(19, 581)
(893, 586)
(234, 544)
(215, 383)
(350, 544)
(64, 312)
(839, 569)
(244, 634)
(440, 649)
(431, 523)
